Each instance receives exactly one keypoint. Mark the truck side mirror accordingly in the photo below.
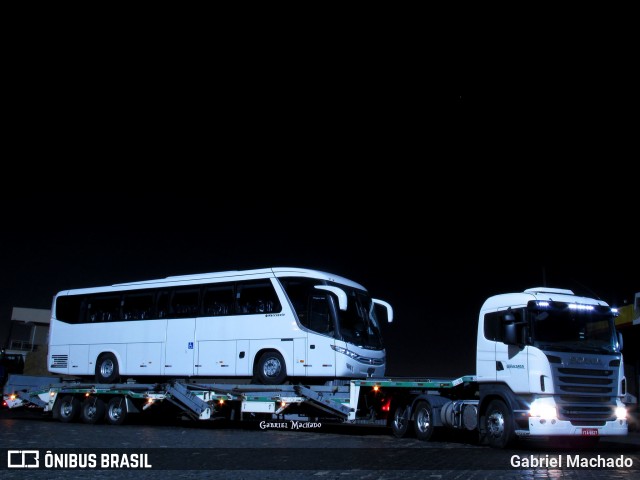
(620, 342)
(511, 334)
(511, 329)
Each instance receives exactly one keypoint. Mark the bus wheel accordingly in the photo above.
(107, 368)
(499, 425)
(400, 421)
(271, 369)
(116, 411)
(68, 408)
(423, 421)
(92, 410)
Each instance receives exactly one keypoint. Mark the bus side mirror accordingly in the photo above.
(338, 292)
(386, 305)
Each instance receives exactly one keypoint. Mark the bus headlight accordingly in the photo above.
(346, 352)
(540, 407)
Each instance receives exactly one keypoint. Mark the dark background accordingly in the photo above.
(432, 193)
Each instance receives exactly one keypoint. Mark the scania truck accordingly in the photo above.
(548, 364)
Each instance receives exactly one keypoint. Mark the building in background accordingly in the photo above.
(29, 330)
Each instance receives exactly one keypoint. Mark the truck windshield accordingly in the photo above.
(579, 330)
(359, 324)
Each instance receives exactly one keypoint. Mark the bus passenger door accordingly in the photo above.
(180, 345)
(321, 357)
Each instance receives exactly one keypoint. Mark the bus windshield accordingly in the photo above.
(574, 329)
(358, 324)
(318, 311)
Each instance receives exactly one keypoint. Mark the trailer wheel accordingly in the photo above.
(423, 421)
(499, 425)
(92, 410)
(68, 408)
(116, 411)
(271, 369)
(107, 368)
(400, 421)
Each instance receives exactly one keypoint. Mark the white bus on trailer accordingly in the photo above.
(269, 325)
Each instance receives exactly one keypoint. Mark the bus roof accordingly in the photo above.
(231, 275)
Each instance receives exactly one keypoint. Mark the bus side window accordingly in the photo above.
(217, 300)
(162, 305)
(257, 297)
(319, 317)
(137, 306)
(185, 303)
(299, 291)
(104, 309)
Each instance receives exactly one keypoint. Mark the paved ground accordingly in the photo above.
(205, 450)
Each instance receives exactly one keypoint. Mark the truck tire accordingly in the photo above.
(271, 369)
(423, 420)
(499, 429)
(107, 369)
(68, 408)
(92, 410)
(116, 411)
(400, 421)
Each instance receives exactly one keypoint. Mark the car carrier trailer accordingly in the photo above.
(359, 402)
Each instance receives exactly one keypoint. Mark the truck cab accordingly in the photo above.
(549, 363)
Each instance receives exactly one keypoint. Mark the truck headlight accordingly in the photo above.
(543, 409)
(621, 413)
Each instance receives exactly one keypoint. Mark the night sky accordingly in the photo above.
(432, 203)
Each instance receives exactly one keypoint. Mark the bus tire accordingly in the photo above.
(271, 369)
(68, 408)
(499, 430)
(400, 421)
(116, 411)
(423, 420)
(92, 410)
(107, 368)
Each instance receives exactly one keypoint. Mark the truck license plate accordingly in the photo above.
(590, 432)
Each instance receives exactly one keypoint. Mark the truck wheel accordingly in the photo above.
(271, 369)
(423, 421)
(92, 410)
(499, 429)
(68, 408)
(400, 421)
(107, 368)
(116, 411)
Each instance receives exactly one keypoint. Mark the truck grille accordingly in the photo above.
(585, 396)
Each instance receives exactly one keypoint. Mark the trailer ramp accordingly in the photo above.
(324, 401)
(188, 401)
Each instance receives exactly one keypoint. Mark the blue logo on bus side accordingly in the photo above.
(190, 345)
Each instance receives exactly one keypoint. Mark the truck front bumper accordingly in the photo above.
(540, 427)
